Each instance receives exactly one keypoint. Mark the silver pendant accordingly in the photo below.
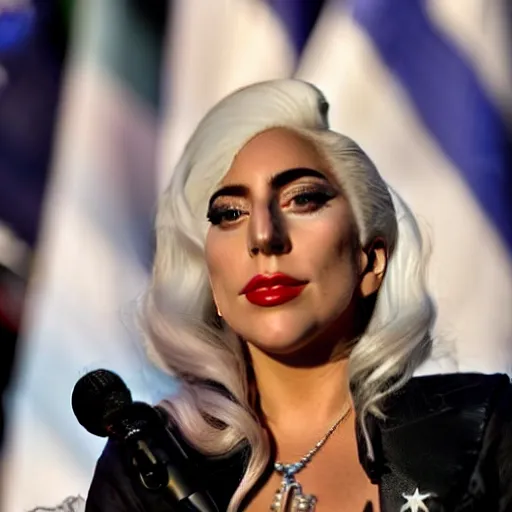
(290, 498)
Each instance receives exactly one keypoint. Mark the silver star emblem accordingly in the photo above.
(415, 501)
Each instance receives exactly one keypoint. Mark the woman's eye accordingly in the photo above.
(224, 215)
(311, 200)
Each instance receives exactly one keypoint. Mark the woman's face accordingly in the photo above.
(281, 253)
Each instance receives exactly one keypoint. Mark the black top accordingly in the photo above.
(449, 436)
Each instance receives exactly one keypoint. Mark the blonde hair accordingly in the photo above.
(178, 314)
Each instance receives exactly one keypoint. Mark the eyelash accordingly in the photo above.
(316, 200)
(317, 197)
(218, 215)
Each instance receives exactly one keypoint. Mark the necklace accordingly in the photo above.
(289, 497)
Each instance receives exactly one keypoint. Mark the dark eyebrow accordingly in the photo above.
(278, 181)
(283, 178)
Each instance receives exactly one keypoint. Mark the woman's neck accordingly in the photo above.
(291, 395)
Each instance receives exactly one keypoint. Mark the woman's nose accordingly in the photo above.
(267, 231)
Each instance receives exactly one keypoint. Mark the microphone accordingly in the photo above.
(103, 405)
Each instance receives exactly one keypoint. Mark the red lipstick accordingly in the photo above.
(272, 290)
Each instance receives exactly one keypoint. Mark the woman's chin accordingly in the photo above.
(280, 343)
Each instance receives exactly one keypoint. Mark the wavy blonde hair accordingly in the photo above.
(178, 314)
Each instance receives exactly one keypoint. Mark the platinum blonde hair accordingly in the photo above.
(178, 310)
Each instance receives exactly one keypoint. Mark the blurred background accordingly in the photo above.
(97, 99)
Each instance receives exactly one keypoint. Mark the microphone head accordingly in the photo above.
(97, 397)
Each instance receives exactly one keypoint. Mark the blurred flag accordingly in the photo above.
(93, 255)
(31, 57)
(14, 257)
(425, 87)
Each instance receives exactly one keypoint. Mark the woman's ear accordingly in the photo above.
(372, 267)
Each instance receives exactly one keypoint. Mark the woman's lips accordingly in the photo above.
(274, 296)
(272, 290)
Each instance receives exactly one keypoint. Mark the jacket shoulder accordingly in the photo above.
(434, 435)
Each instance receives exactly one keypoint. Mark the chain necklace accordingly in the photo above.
(289, 497)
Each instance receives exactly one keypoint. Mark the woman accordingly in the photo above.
(288, 298)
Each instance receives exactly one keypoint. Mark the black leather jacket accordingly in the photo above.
(449, 436)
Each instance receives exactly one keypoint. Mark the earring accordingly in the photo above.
(219, 314)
